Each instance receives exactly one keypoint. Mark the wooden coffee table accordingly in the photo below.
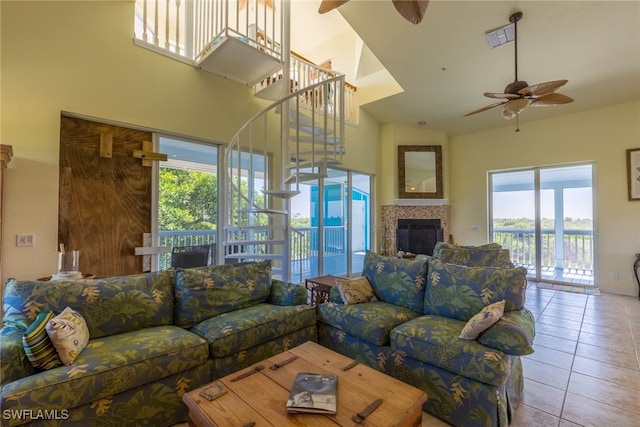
(257, 397)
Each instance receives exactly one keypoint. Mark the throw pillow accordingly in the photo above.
(69, 334)
(483, 320)
(355, 291)
(37, 345)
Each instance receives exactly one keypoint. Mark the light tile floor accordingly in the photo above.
(585, 370)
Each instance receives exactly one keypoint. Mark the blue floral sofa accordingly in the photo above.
(152, 338)
(412, 330)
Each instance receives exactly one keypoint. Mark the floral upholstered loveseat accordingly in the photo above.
(411, 332)
(152, 338)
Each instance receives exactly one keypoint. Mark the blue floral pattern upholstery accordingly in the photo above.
(236, 331)
(371, 322)
(468, 382)
(109, 306)
(205, 292)
(460, 292)
(141, 357)
(397, 280)
(489, 255)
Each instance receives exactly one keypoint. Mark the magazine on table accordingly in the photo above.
(313, 394)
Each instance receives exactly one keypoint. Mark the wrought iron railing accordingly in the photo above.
(577, 247)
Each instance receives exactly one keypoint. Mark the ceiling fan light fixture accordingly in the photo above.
(501, 36)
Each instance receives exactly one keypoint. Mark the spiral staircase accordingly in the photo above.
(309, 123)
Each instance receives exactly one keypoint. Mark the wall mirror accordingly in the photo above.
(420, 171)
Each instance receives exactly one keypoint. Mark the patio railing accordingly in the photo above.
(577, 247)
(304, 242)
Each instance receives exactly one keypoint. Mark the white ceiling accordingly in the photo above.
(444, 64)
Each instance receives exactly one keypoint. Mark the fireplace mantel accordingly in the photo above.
(421, 202)
(392, 213)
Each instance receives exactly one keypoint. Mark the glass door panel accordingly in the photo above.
(360, 226)
(187, 197)
(513, 216)
(566, 205)
(335, 202)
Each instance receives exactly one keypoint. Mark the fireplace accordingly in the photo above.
(391, 214)
(418, 236)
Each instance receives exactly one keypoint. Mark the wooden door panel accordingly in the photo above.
(105, 202)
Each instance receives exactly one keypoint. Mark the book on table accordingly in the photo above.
(313, 394)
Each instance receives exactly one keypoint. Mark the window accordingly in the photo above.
(545, 217)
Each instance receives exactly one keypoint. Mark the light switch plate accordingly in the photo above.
(25, 240)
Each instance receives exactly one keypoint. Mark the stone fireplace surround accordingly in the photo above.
(392, 213)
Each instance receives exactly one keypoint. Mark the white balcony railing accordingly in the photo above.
(186, 28)
(303, 74)
(577, 247)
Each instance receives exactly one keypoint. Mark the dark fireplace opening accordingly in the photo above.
(418, 236)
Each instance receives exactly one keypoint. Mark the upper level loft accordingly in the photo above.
(243, 40)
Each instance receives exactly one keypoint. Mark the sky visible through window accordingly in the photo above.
(520, 204)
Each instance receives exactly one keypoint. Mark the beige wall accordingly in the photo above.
(79, 57)
(599, 136)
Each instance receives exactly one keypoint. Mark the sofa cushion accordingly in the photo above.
(445, 245)
(460, 292)
(513, 334)
(476, 257)
(206, 292)
(108, 366)
(235, 331)
(434, 340)
(397, 280)
(109, 306)
(371, 322)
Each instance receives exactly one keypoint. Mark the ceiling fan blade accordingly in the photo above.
(328, 5)
(515, 106)
(551, 99)
(501, 95)
(488, 107)
(411, 10)
(542, 89)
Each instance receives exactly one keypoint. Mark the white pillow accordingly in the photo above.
(69, 334)
(483, 320)
(355, 291)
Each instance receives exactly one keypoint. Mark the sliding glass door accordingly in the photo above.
(545, 217)
(331, 225)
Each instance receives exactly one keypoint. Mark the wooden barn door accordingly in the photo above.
(105, 196)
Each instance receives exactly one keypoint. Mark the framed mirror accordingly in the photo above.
(420, 172)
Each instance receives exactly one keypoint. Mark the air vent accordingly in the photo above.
(500, 36)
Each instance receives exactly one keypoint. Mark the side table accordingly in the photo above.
(319, 288)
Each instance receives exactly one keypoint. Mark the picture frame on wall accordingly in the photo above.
(633, 173)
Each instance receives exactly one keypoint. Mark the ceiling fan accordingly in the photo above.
(519, 95)
(411, 10)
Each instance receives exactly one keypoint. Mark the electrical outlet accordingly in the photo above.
(25, 240)
(475, 228)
